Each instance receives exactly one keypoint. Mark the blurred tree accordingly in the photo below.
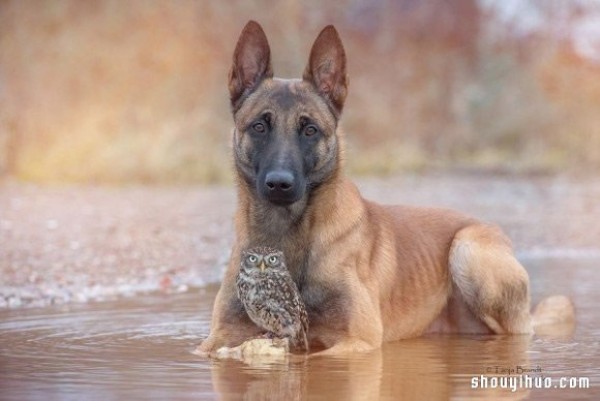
(136, 91)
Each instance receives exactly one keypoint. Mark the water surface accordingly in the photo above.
(141, 349)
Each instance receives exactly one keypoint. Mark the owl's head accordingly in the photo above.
(260, 259)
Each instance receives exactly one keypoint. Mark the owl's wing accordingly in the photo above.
(297, 301)
(302, 336)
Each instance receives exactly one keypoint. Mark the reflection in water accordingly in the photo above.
(141, 349)
(434, 368)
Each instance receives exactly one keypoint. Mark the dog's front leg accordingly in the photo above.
(230, 325)
(348, 322)
(348, 345)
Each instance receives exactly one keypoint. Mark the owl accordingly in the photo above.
(270, 296)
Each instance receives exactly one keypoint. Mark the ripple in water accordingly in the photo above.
(141, 349)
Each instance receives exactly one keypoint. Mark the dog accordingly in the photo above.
(368, 273)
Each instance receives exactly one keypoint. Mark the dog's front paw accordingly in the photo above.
(207, 347)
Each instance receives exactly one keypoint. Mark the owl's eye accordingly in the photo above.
(252, 259)
(273, 259)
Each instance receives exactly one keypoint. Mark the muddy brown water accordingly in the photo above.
(140, 348)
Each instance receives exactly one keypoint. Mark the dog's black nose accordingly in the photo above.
(279, 181)
(281, 186)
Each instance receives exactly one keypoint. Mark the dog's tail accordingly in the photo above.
(554, 315)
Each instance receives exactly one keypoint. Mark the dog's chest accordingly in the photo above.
(326, 298)
(327, 301)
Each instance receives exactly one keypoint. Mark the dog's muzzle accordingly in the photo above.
(281, 187)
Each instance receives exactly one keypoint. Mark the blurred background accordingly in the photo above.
(136, 91)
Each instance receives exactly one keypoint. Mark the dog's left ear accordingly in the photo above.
(326, 68)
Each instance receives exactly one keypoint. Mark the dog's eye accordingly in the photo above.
(273, 259)
(259, 127)
(252, 259)
(310, 130)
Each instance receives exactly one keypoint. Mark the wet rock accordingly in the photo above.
(256, 351)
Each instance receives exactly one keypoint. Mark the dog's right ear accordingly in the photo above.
(251, 62)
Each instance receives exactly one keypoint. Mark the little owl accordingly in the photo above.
(270, 296)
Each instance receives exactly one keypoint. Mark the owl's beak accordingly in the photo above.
(262, 266)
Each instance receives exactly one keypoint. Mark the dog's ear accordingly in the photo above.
(251, 61)
(326, 68)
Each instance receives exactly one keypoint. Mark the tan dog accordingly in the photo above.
(368, 273)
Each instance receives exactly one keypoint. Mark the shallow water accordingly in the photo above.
(141, 349)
